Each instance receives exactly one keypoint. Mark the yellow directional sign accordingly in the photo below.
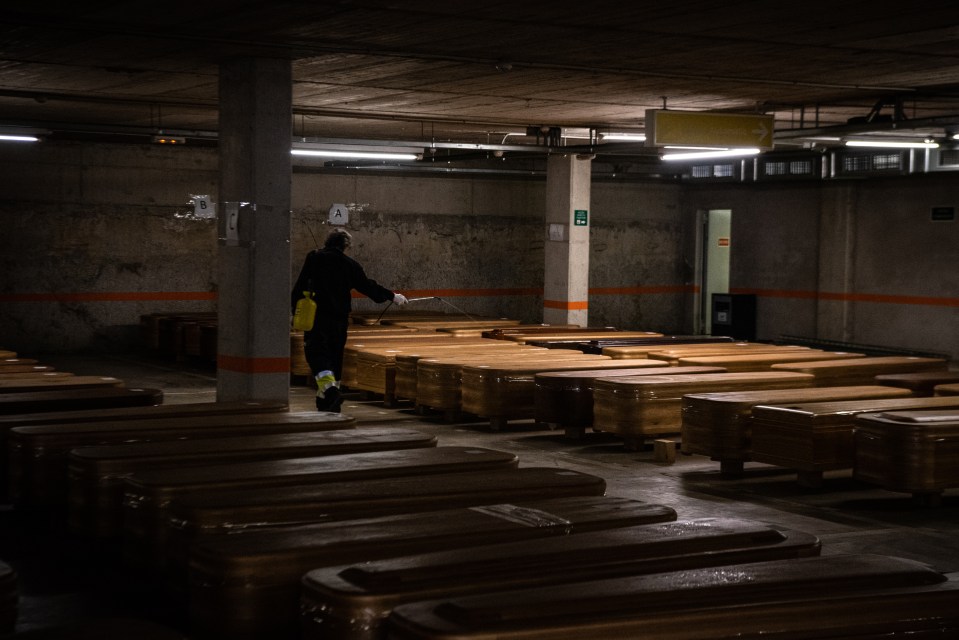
(708, 129)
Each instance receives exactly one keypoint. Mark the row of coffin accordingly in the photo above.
(704, 391)
(233, 590)
(423, 541)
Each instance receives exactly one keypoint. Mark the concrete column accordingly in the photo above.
(253, 342)
(566, 286)
(835, 315)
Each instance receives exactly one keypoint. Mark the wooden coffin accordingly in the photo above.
(921, 383)
(828, 597)
(355, 345)
(245, 586)
(642, 406)
(672, 353)
(193, 517)
(915, 452)
(947, 389)
(150, 412)
(147, 495)
(507, 391)
(96, 474)
(596, 346)
(39, 454)
(763, 361)
(7, 354)
(580, 335)
(565, 398)
(16, 362)
(353, 601)
(718, 424)
(439, 380)
(9, 598)
(376, 367)
(77, 399)
(6, 368)
(817, 437)
(54, 383)
(844, 373)
(406, 363)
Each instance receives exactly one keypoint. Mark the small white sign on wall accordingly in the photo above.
(203, 207)
(339, 214)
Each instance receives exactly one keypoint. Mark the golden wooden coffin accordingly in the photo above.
(638, 407)
(439, 380)
(353, 601)
(406, 363)
(355, 345)
(96, 474)
(718, 424)
(77, 399)
(11, 369)
(763, 361)
(565, 398)
(55, 383)
(507, 391)
(14, 362)
(910, 451)
(817, 437)
(39, 454)
(672, 353)
(147, 495)
(844, 373)
(194, 517)
(947, 389)
(921, 383)
(865, 597)
(376, 366)
(6, 354)
(149, 412)
(249, 586)
(579, 334)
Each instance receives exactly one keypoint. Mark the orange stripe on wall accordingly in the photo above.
(109, 296)
(240, 364)
(464, 293)
(574, 305)
(636, 291)
(853, 297)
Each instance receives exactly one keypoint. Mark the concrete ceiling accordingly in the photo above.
(485, 72)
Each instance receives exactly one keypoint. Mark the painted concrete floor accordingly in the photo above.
(63, 579)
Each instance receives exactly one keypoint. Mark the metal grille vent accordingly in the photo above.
(871, 163)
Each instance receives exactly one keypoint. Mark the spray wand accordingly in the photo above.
(446, 302)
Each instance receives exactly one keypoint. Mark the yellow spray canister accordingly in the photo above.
(305, 312)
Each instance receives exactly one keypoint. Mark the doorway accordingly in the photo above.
(713, 240)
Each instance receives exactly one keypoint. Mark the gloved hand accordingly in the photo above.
(399, 298)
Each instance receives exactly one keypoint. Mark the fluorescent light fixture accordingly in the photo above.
(892, 144)
(624, 137)
(9, 138)
(354, 155)
(707, 155)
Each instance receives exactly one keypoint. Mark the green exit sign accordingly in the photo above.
(580, 218)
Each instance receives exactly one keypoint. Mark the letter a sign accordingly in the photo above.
(339, 214)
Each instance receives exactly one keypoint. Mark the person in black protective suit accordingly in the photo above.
(332, 275)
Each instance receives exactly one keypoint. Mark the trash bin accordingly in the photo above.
(734, 315)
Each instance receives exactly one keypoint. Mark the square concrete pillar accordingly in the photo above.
(253, 341)
(566, 285)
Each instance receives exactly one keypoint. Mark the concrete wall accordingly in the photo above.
(850, 261)
(98, 235)
(94, 236)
